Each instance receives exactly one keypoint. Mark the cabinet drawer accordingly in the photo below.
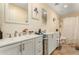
(10, 49)
(39, 41)
(39, 45)
(9, 46)
(39, 52)
(28, 47)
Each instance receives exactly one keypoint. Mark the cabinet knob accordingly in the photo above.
(20, 48)
(23, 46)
(39, 51)
(39, 41)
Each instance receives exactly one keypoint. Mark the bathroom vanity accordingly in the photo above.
(50, 42)
(24, 45)
(29, 45)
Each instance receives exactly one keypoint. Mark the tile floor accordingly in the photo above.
(66, 50)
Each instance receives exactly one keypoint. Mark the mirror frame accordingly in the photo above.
(7, 17)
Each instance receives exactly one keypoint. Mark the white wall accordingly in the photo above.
(52, 26)
(1, 14)
(34, 24)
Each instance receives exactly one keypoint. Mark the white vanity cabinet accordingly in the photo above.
(22, 46)
(56, 39)
(38, 46)
(33, 46)
(50, 43)
(13, 49)
(28, 47)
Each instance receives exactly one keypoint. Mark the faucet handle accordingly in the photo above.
(15, 33)
(9, 35)
(19, 34)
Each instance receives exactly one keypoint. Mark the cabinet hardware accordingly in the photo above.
(23, 47)
(39, 50)
(20, 48)
(52, 35)
(39, 41)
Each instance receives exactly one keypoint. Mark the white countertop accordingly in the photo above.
(9, 41)
(51, 32)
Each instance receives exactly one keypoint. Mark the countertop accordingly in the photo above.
(9, 41)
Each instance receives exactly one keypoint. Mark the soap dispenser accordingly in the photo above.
(0, 34)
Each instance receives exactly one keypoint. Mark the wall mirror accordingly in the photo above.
(44, 16)
(17, 13)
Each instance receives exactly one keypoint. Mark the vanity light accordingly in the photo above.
(65, 6)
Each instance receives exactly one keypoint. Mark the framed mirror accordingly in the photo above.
(17, 13)
(44, 16)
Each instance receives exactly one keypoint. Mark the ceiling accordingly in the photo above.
(65, 8)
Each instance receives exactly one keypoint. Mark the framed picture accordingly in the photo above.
(44, 16)
(35, 13)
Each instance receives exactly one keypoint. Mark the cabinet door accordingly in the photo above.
(50, 43)
(28, 47)
(56, 39)
(38, 46)
(10, 50)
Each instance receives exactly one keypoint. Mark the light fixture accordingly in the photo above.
(65, 6)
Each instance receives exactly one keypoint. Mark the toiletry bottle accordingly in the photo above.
(0, 34)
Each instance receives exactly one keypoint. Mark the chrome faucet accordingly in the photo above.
(15, 34)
